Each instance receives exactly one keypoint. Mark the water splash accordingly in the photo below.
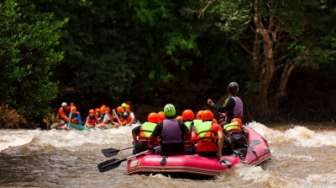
(299, 135)
(63, 138)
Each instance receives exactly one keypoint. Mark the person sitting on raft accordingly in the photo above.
(63, 112)
(188, 118)
(236, 136)
(91, 119)
(208, 136)
(142, 135)
(107, 119)
(62, 116)
(99, 116)
(233, 106)
(161, 116)
(119, 112)
(171, 133)
(127, 117)
(75, 116)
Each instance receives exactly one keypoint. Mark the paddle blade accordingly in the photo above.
(109, 164)
(109, 152)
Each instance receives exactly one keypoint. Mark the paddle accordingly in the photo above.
(109, 164)
(110, 152)
(114, 163)
(117, 117)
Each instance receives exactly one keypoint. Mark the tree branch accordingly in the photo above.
(201, 11)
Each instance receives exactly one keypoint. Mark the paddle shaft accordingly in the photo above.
(116, 115)
(109, 152)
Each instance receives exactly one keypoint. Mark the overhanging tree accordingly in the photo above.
(275, 34)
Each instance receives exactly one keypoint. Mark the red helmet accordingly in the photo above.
(153, 117)
(207, 115)
(188, 115)
(199, 114)
(161, 116)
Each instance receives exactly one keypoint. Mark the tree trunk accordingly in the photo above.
(264, 64)
(281, 92)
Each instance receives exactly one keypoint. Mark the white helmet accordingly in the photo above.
(64, 104)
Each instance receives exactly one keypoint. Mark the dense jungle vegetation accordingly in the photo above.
(282, 53)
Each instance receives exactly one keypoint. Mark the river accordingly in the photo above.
(303, 156)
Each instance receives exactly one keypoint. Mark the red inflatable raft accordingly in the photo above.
(257, 152)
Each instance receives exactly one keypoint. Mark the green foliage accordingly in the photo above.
(28, 48)
(110, 50)
(231, 16)
(170, 35)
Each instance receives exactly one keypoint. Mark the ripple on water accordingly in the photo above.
(301, 158)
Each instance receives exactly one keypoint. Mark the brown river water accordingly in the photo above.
(303, 156)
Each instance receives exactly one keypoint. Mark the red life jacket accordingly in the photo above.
(91, 120)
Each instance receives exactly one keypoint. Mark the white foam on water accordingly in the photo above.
(285, 156)
(299, 135)
(271, 135)
(308, 138)
(13, 138)
(63, 138)
(327, 180)
(256, 174)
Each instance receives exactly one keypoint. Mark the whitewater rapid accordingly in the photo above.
(302, 157)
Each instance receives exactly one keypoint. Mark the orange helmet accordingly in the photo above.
(207, 115)
(153, 117)
(161, 116)
(91, 111)
(102, 108)
(199, 114)
(179, 118)
(120, 109)
(238, 120)
(107, 110)
(188, 115)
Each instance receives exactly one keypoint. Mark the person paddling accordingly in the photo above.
(171, 133)
(142, 135)
(75, 116)
(62, 116)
